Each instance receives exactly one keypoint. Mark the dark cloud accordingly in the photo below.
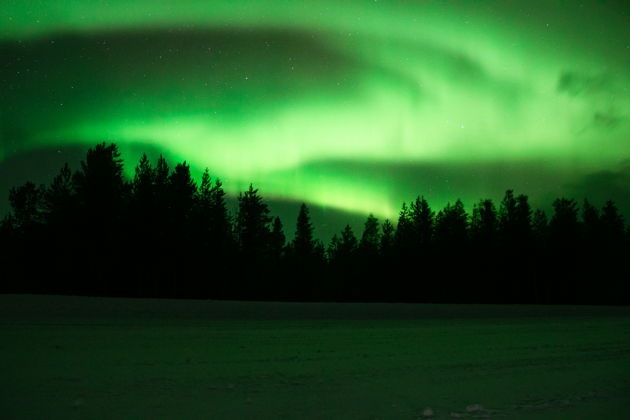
(607, 120)
(605, 185)
(49, 82)
(579, 84)
(601, 91)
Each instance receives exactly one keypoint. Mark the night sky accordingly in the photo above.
(353, 106)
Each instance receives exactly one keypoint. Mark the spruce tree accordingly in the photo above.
(252, 225)
(386, 245)
(278, 240)
(370, 239)
(303, 245)
(484, 224)
(422, 220)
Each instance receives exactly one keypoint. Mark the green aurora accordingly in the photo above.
(354, 105)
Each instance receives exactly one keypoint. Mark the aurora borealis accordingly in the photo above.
(354, 105)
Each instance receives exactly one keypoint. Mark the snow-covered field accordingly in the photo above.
(77, 357)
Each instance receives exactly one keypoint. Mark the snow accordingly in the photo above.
(77, 357)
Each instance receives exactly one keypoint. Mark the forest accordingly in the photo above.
(161, 234)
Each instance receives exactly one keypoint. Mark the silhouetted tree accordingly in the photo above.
(99, 184)
(369, 261)
(515, 220)
(507, 216)
(210, 213)
(278, 240)
(303, 245)
(27, 205)
(515, 229)
(386, 246)
(162, 176)
(102, 194)
(614, 270)
(59, 197)
(540, 228)
(564, 226)
(162, 198)
(451, 228)
(143, 187)
(523, 221)
(451, 238)
(333, 248)
(342, 254)
(590, 221)
(252, 225)
(94, 232)
(144, 222)
(484, 238)
(305, 259)
(24, 229)
(370, 239)
(422, 222)
(211, 231)
(484, 225)
(181, 191)
(61, 215)
(564, 236)
(212, 220)
(540, 257)
(612, 224)
(253, 232)
(344, 247)
(404, 237)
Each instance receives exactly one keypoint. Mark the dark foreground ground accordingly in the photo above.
(78, 357)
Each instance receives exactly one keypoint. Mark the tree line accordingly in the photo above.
(161, 234)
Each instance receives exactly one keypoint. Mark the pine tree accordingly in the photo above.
(59, 198)
(348, 245)
(181, 191)
(404, 237)
(422, 220)
(484, 223)
(27, 205)
(99, 184)
(523, 221)
(564, 226)
(591, 223)
(342, 249)
(370, 239)
(278, 240)
(303, 245)
(386, 246)
(612, 224)
(333, 249)
(162, 174)
(102, 197)
(252, 225)
(143, 187)
(540, 228)
(507, 211)
(212, 208)
(452, 226)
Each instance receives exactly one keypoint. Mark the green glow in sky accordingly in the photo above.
(356, 105)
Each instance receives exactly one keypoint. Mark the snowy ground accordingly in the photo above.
(69, 357)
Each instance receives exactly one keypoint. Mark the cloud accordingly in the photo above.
(48, 82)
(604, 185)
(580, 84)
(602, 92)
